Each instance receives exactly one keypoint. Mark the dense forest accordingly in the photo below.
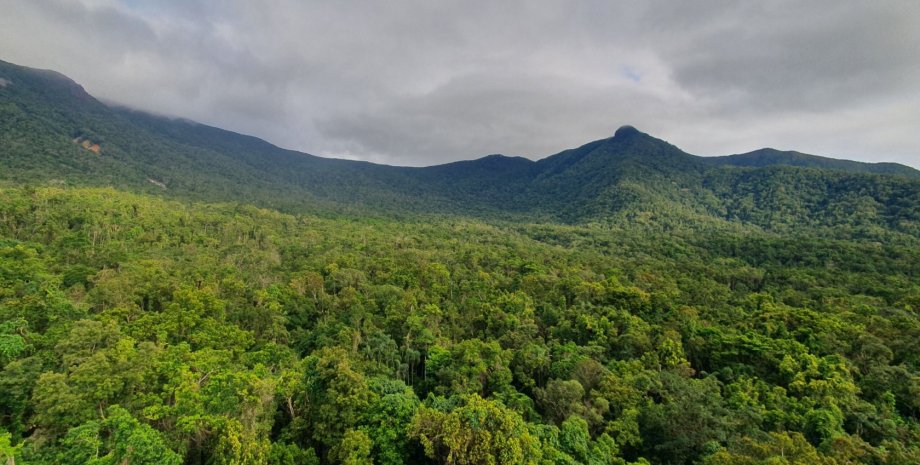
(144, 331)
(172, 293)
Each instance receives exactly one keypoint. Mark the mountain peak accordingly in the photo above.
(42, 80)
(626, 131)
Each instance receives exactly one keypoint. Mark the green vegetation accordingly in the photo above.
(139, 330)
(183, 294)
(46, 118)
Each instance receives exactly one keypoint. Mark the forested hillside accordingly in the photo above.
(173, 293)
(138, 330)
(52, 131)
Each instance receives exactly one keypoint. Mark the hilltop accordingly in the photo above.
(51, 130)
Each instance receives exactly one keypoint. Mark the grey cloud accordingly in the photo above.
(529, 117)
(419, 82)
(829, 56)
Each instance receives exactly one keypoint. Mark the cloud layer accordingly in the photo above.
(426, 82)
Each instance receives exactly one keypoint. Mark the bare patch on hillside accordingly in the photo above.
(87, 144)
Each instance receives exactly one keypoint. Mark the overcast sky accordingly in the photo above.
(426, 82)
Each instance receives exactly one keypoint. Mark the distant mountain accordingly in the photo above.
(770, 157)
(51, 130)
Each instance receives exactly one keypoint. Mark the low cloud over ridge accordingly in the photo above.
(420, 83)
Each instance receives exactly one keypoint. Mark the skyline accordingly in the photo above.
(411, 83)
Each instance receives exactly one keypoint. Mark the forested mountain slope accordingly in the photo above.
(769, 157)
(50, 129)
(173, 293)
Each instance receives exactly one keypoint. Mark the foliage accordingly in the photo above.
(480, 432)
(689, 313)
(630, 177)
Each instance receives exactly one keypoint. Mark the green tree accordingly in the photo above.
(8, 451)
(560, 399)
(355, 449)
(336, 396)
(480, 432)
(777, 448)
(118, 439)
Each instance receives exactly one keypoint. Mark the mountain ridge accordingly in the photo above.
(45, 116)
(770, 156)
(790, 157)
